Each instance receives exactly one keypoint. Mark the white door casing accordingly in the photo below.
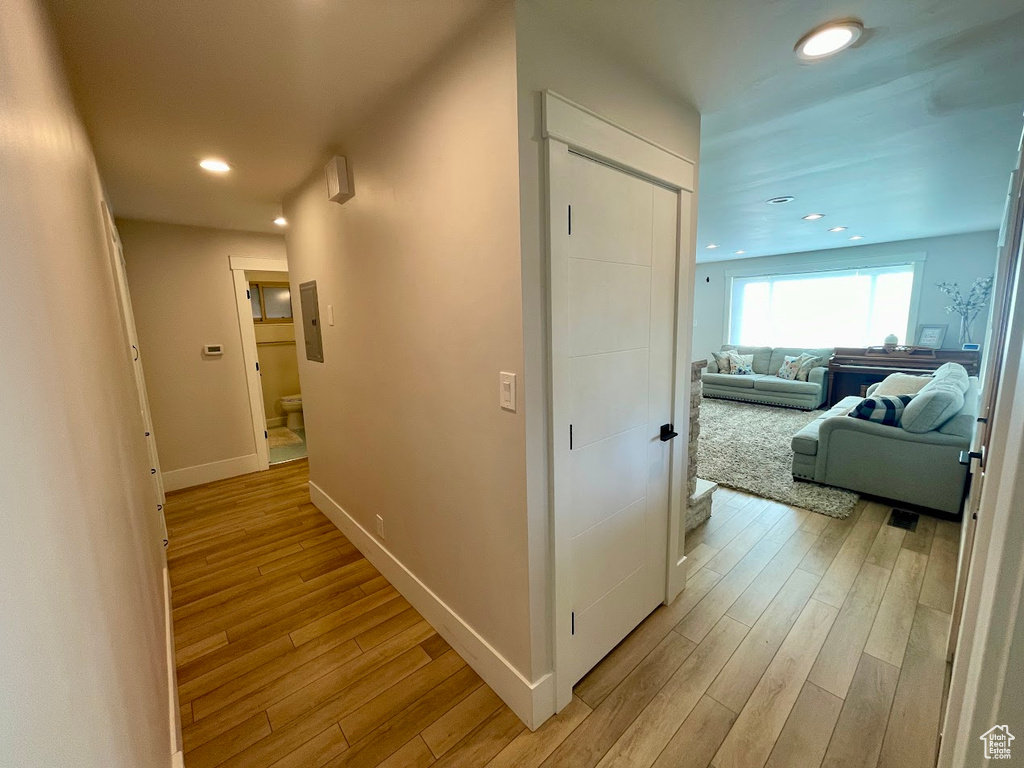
(620, 348)
(239, 265)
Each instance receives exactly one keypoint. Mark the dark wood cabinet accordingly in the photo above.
(853, 369)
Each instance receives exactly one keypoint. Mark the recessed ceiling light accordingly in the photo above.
(814, 216)
(857, 237)
(281, 221)
(711, 246)
(837, 229)
(739, 253)
(781, 200)
(829, 39)
(214, 165)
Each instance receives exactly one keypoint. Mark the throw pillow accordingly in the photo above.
(722, 361)
(790, 368)
(805, 363)
(886, 410)
(901, 384)
(742, 365)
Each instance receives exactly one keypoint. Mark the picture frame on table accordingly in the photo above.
(931, 335)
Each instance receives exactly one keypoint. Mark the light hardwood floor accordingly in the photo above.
(800, 641)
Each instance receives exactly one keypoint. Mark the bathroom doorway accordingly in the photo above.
(266, 325)
(271, 304)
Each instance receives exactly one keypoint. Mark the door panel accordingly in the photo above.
(609, 307)
(621, 277)
(609, 393)
(607, 476)
(621, 232)
(609, 552)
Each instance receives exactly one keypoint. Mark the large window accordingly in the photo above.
(837, 308)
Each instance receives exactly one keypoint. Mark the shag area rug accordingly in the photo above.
(279, 437)
(747, 447)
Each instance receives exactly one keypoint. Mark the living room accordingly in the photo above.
(892, 298)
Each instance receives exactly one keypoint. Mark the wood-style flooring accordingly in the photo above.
(800, 641)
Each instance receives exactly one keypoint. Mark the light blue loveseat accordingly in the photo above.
(764, 386)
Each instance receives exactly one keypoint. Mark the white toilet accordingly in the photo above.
(292, 405)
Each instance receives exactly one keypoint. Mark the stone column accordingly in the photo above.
(699, 492)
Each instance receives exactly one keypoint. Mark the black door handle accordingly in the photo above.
(966, 456)
(667, 433)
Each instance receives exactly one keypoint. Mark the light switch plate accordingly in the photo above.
(508, 391)
(330, 314)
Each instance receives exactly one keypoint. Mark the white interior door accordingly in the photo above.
(621, 291)
(132, 340)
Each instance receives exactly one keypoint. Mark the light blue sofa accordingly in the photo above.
(764, 386)
(920, 468)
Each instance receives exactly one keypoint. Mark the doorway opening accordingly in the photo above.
(273, 326)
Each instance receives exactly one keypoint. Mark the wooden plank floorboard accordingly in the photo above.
(293, 651)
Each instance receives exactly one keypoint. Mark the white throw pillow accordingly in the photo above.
(722, 361)
(896, 384)
(805, 363)
(790, 368)
(742, 365)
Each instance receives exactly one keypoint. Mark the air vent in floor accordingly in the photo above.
(905, 519)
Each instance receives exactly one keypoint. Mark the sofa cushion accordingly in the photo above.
(938, 401)
(806, 440)
(762, 355)
(779, 354)
(728, 380)
(775, 384)
(962, 424)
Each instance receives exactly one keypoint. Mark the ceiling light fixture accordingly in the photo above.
(281, 221)
(739, 253)
(814, 216)
(711, 246)
(837, 229)
(214, 165)
(857, 237)
(780, 200)
(829, 39)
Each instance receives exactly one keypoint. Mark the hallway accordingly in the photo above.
(800, 641)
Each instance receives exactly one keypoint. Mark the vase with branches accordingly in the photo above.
(968, 306)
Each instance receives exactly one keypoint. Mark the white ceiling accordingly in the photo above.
(910, 134)
(269, 86)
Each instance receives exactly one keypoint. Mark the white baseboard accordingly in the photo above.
(277, 421)
(177, 756)
(533, 702)
(186, 477)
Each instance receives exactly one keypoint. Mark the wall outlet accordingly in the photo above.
(380, 527)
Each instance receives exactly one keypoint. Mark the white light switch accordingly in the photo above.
(508, 391)
(330, 314)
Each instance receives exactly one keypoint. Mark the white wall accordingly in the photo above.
(83, 676)
(553, 58)
(184, 297)
(960, 258)
(422, 268)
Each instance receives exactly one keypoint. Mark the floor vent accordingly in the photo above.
(905, 519)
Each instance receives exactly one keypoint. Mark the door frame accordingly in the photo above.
(239, 265)
(567, 126)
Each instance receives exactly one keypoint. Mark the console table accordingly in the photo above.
(853, 369)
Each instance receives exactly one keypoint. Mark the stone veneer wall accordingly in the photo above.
(698, 507)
